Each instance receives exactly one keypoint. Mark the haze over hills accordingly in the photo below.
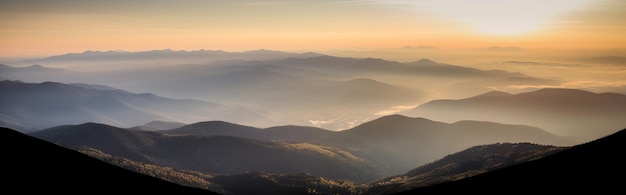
(121, 59)
(410, 141)
(336, 92)
(568, 112)
(49, 104)
(267, 116)
(363, 97)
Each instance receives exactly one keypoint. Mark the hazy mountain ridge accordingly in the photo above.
(567, 112)
(166, 56)
(48, 104)
(387, 136)
(283, 82)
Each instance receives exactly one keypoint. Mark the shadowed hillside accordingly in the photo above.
(215, 154)
(463, 164)
(594, 167)
(34, 166)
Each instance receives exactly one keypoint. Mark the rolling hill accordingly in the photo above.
(396, 142)
(214, 154)
(463, 164)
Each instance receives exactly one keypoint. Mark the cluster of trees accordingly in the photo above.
(182, 177)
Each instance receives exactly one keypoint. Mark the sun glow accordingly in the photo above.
(497, 17)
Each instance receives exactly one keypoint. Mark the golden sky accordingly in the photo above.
(31, 28)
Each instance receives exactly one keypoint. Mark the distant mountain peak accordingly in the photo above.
(425, 61)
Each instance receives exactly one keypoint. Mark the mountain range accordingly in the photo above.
(272, 122)
(578, 114)
(383, 147)
(585, 166)
(336, 92)
(36, 106)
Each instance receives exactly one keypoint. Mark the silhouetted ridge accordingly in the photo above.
(466, 163)
(592, 167)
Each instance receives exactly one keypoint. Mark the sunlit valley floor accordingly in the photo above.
(271, 122)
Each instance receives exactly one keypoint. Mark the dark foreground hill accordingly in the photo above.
(32, 166)
(596, 167)
(464, 164)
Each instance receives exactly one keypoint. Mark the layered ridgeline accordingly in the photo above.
(578, 114)
(287, 88)
(95, 174)
(386, 146)
(397, 142)
(32, 106)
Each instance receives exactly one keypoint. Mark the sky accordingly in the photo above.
(35, 28)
